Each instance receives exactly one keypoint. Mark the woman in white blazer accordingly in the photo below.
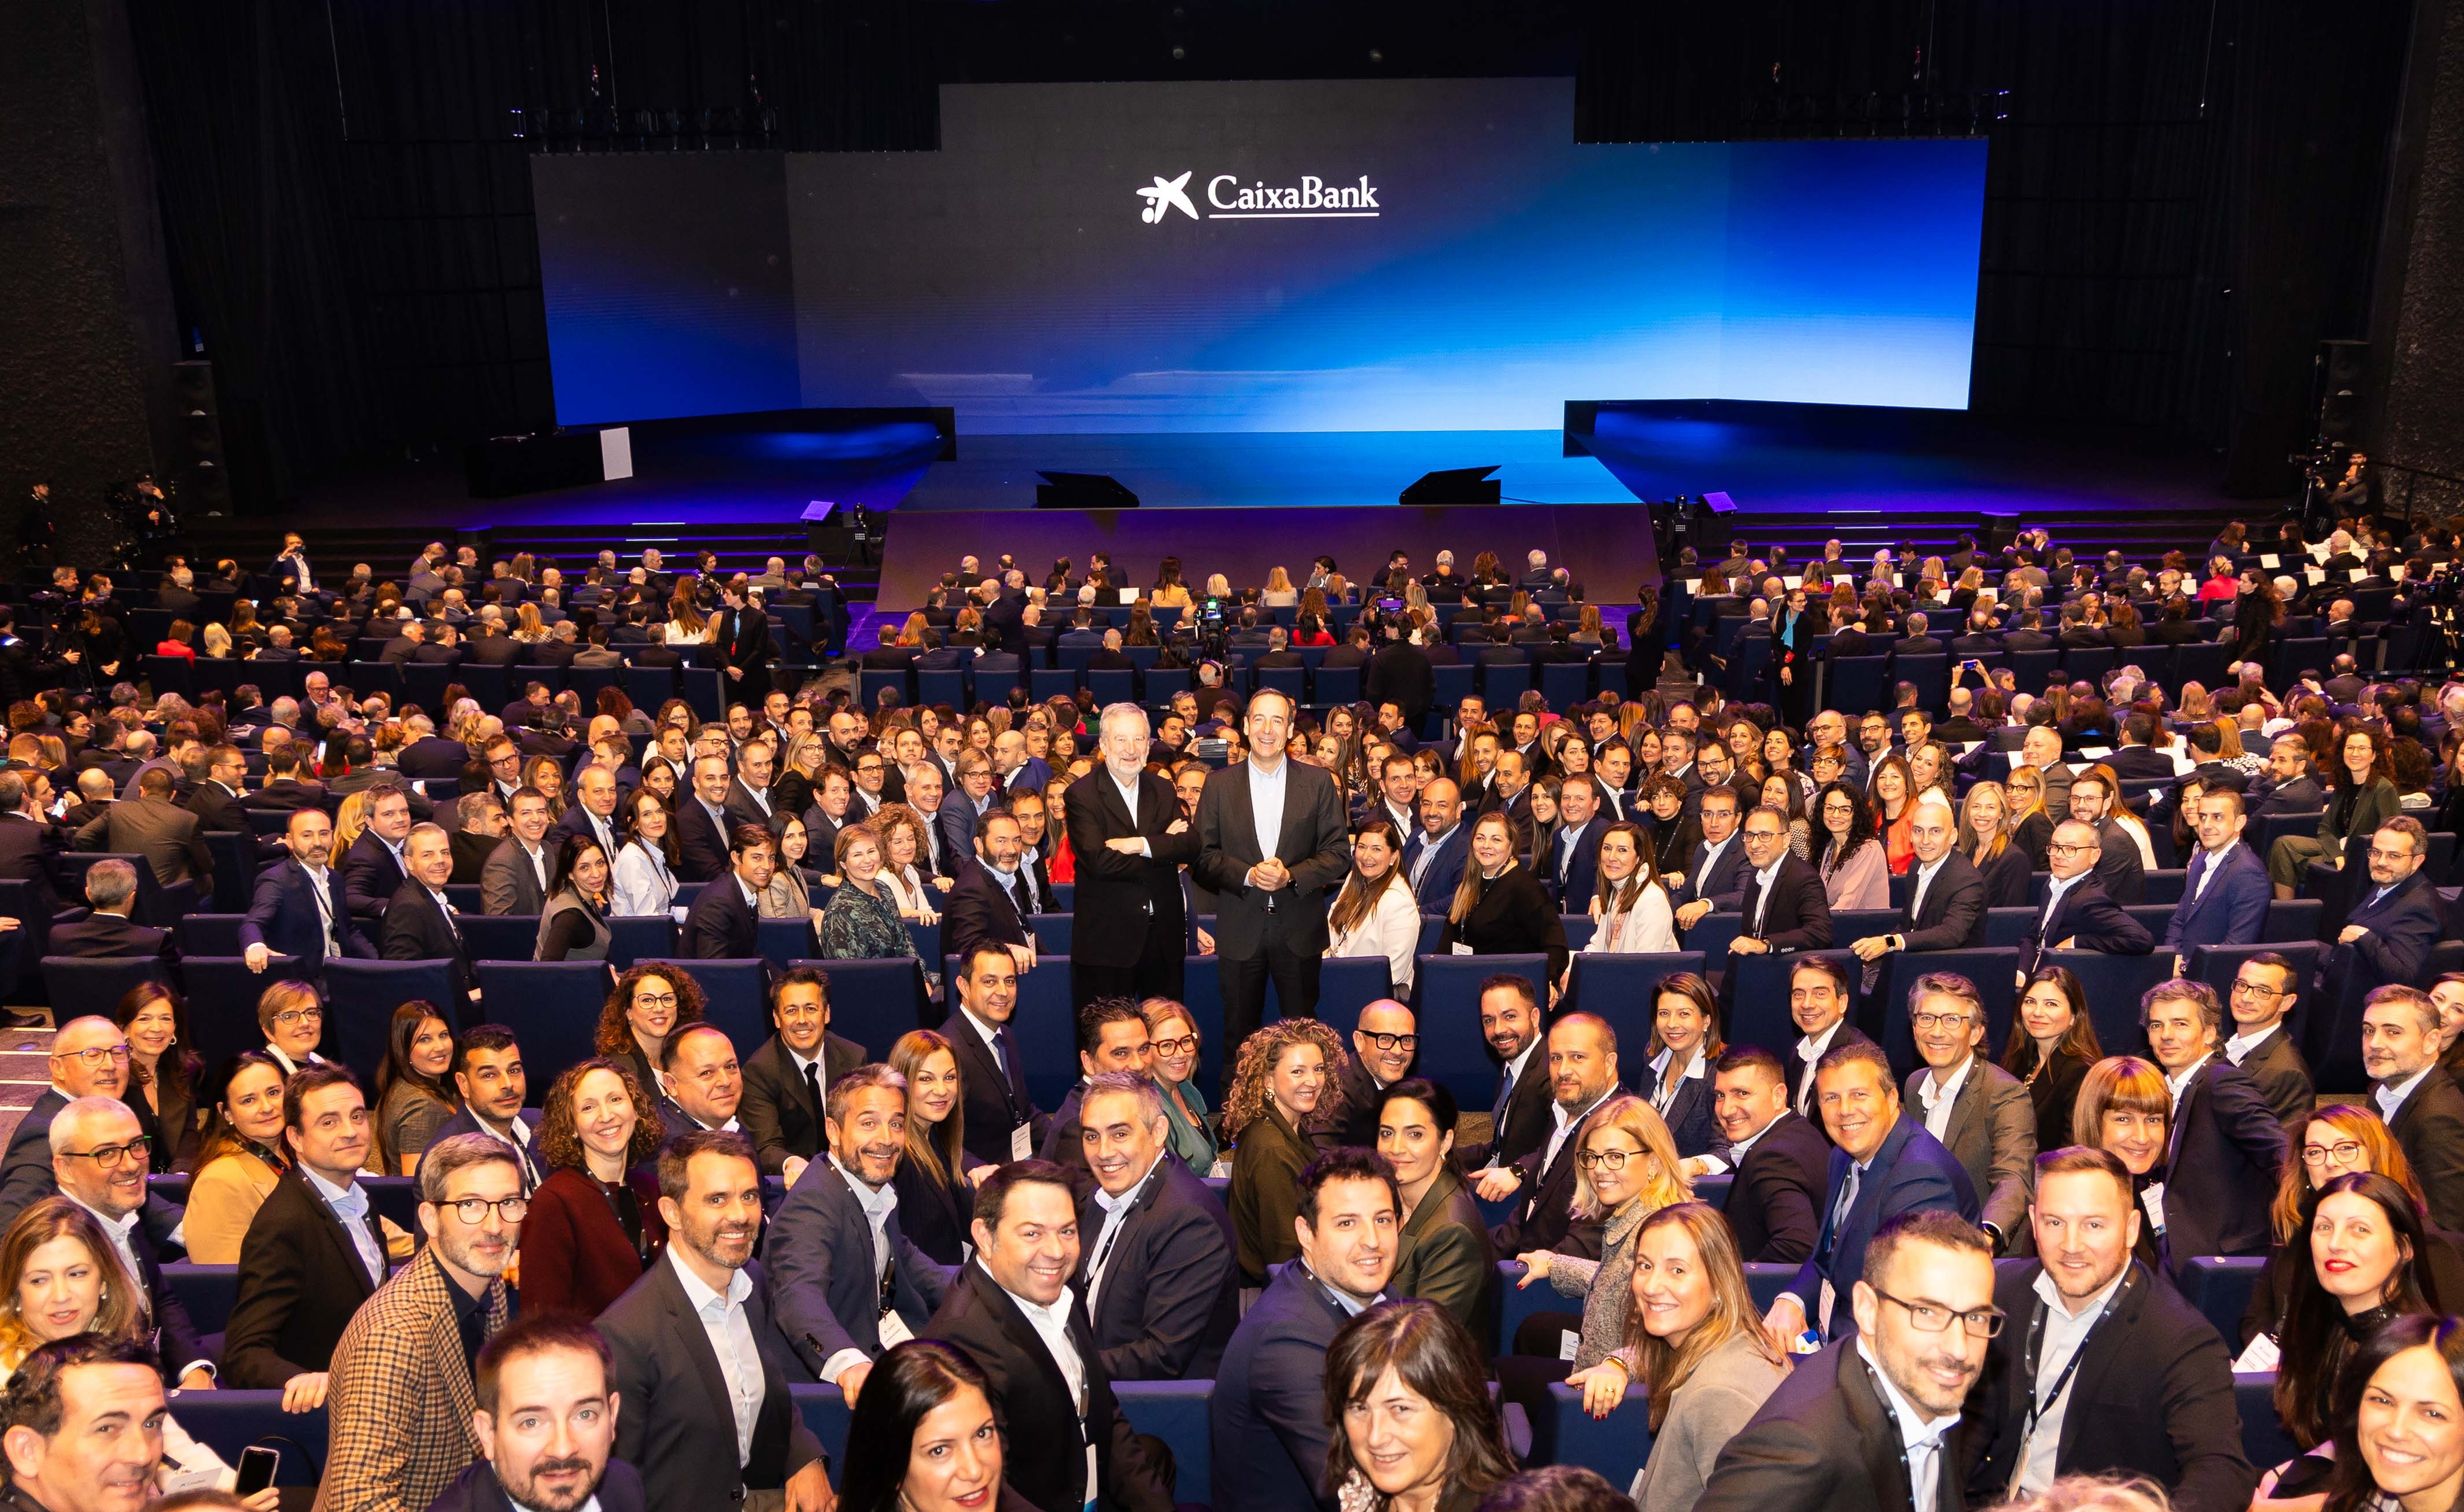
(1630, 913)
(1375, 913)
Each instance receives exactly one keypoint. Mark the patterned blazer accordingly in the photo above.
(400, 1401)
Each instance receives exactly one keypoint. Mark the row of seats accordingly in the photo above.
(423, 683)
(1563, 684)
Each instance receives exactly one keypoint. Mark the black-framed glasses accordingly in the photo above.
(2256, 990)
(473, 1211)
(1614, 1159)
(111, 1157)
(1933, 1317)
(288, 1016)
(1940, 1021)
(1392, 1041)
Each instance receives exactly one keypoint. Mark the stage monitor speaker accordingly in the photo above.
(1083, 491)
(1713, 526)
(1997, 531)
(501, 466)
(2347, 370)
(1455, 486)
(204, 477)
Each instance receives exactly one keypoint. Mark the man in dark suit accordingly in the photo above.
(1716, 876)
(2225, 896)
(544, 1368)
(299, 908)
(150, 824)
(741, 632)
(80, 1137)
(2394, 921)
(702, 823)
(724, 922)
(1047, 1382)
(1437, 849)
(1266, 1418)
(1270, 904)
(1156, 1265)
(1859, 1426)
(995, 898)
(489, 1079)
(2076, 916)
(2118, 864)
(88, 1058)
(313, 1252)
(1980, 1112)
(1582, 1075)
(215, 800)
(1129, 840)
(1915, 642)
(1883, 1164)
(1400, 674)
(1783, 907)
(373, 868)
(1002, 1122)
(748, 799)
(1519, 1117)
(1570, 868)
(2149, 1385)
(2418, 1098)
(848, 1282)
(2225, 1149)
(787, 1079)
(1819, 998)
(683, 1425)
(2262, 1043)
(419, 924)
(1946, 907)
(105, 933)
(1780, 1162)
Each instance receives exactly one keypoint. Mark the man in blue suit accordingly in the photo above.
(2225, 897)
(1884, 1163)
(1266, 1418)
(1717, 874)
(287, 916)
(2394, 920)
(1572, 874)
(836, 1237)
(1434, 856)
(2224, 1150)
(2077, 913)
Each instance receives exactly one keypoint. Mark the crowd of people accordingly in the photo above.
(611, 1286)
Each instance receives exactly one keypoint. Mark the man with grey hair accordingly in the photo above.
(1155, 1246)
(99, 1161)
(106, 933)
(1132, 843)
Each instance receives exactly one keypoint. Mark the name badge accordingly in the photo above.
(1569, 1344)
(1460, 948)
(894, 1330)
(1022, 1141)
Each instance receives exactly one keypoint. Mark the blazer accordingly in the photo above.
(1688, 1112)
(2089, 916)
(576, 1255)
(678, 1427)
(509, 883)
(1265, 1420)
(1581, 871)
(934, 1215)
(1724, 883)
(1047, 1441)
(170, 838)
(110, 936)
(2428, 1125)
(284, 918)
(1543, 1218)
(701, 841)
(720, 926)
(1443, 1255)
(995, 1104)
(2224, 1157)
(398, 1406)
(824, 1280)
(2231, 912)
(2281, 1076)
(1775, 1202)
(1264, 1199)
(2118, 864)
(1798, 915)
(1525, 1123)
(1910, 1173)
(417, 930)
(2402, 928)
(1113, 885)
(2007, 876)
(1513, 916)
(778, 1112)
(1801, 1076)
(370, 877)
(2054, 1093)
(1824, 1442)
(1727, 1387)
(477, 1489)
(301, 1281)
(2152, 1396)
(1171, 1290)
(1952, 914)
(978, 911)
(1436, 888)
(1993, 1134)
(1315, 845)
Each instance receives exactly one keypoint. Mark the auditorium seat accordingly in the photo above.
(222, 994)
(206, 1291)
(1202, 992)
(234, 853)
(79, 987)
(1563, 1434)
(1053, 932)
(1329, 686)
(1618, 988)
(735, 998)
(1452, 1051)
(2114, 985)
(2264, 1441)
(2220, 1287)
(650, 938)
(1175, 1411)
(499, 936)
(209, 935)
(361, 996)
(1346, 984)
(1994, 971)
(785, 941)
(228, 1421)
(873, 1002)
(1755, 997)
(552, 1009)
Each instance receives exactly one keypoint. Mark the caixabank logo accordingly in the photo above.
(1229, 199)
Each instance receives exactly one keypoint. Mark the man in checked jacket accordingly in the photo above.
(400, 1399)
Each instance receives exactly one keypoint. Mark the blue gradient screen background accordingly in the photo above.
(1508, 269)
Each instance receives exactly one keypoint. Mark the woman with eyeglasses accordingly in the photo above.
(239, 1159)
(1172, 1034)
(2052, 1044)
(1442, 1253)
(293, 1020)
(1855, 873)
(649, 1004)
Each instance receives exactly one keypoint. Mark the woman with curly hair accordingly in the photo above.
(650, 1002)
(1282, 1085)
(2360, 797)
(1855, 873)
(1659, 807)
(593, 1228)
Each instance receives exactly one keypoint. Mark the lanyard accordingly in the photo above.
(2036, 1341)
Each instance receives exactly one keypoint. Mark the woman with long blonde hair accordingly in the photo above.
(1694, 1341)
(1627, 1170)
(2031, 826)
(350, 821)
(936, 1183)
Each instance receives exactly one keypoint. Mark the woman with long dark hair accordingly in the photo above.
(643, 882)
(2362, 797)
(1855, 873)
(573, 925)
(2399, 1425)
(2337, 1140)
(1629, 907)
(1499, 908)
(1892, 798)
(2366, 1241)
(1443, 1254)
(923, 1437)
(1375, 913)
(2052, 1044)
(240, 1158)
(162, 1072)
(415, 1091)
(2257, 611)
(1415, 1427)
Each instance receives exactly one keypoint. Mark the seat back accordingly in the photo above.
(1452, 1050)
(222, 994)
(499, 936)
(735, 998)
(1346, 984)
(650, 938)
(552, 1009)
(1620, 990)
(361, 996)
(209, 935)
(1991, 970)
(79, 987)
(2114, 985)
(873, 1002)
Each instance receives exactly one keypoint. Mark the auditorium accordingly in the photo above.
(1759, 710)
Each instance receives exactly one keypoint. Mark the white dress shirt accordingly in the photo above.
(1938, 1096)
(1811, 1048)
(1763, 880)
(1267, 791)
(1565, 1123)
(2391, 1096)
(1117, 1213)
(2180, 1082)
(2238, 1047)
(1920, 1439)
(2065, 1331)
(1051, 1325)
(730, 1328)
(2208, 873)
(1664, 1092)
(878, 1205)
(1924, 880)
(1710, 858)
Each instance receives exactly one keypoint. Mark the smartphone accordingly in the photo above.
(256, 1467)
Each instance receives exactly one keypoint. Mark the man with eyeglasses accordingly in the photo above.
(398, 1406)
(1884, 1163)
(2261, 1044)
(2118, 864)
(2421, 1103)
(1884, 1405)
(1385, 1043)
(1981, 1113)
(2224, 1149)
(2225, 893)
(89, 1059)
(871, 775)
(99, 1158)
(1783, 908)
(2386, 937)
(2077, 914)
(2099, 1370)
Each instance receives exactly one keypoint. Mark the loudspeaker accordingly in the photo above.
(205, 481)
(2344, 367)
(1996, 533)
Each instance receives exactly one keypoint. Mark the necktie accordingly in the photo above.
(813, 1085)
(1497, 1110)
(1839, 1214)
(1008, 1055)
